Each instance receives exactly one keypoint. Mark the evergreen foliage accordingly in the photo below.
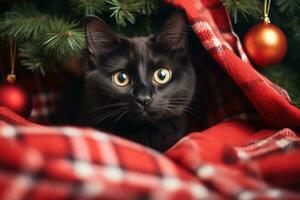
(23, 22)
(48, 37)
(290, 6)
(244, 8)
(45, 39)
(88, 7)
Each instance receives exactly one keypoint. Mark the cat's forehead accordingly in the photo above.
(139, 40)
(139, 44)
(139, 48)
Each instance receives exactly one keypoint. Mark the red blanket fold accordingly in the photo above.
(234, 158)
(230, 160)
(212, 26)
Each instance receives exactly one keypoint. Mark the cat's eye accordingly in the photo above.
(121, 78)
(162, 76)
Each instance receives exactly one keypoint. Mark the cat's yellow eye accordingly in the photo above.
(162, 76)
(121, 78)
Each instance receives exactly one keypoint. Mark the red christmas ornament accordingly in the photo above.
(265, 44)
(16, 99)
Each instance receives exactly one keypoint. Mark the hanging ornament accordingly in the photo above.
(16, 99)
(265, 43)
(11, 78)
(13, 96)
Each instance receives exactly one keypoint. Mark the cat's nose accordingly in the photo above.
(143, 100)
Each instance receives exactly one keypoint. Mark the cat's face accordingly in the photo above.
(138, 79)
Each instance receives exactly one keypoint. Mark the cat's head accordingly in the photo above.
(141, 78)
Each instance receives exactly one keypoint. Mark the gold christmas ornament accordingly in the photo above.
(11, 78)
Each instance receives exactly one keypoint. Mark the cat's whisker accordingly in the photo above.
(107, 116)
(192, 106)
(187, 98)
(180, 99)
(109, 54)
(102, 117)
(128, 117)
(185, 109)
(178, 102)
(108, 106)
(117, 119)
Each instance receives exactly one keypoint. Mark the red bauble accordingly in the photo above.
(16, 99)
(265, 44)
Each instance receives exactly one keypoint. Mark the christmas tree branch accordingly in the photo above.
(124, 11)
(245, 8)
(287, 78)
(88, 7)
(33, 58)
(290, 6)
(63, 40)
(23, 22)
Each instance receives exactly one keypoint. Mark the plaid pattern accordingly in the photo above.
(212, 26)
(38, 162)
(44, 105)
(44, 92)
(223, 158)
(232, 159)
(65, 163)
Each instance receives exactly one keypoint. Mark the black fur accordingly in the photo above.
(115, 109)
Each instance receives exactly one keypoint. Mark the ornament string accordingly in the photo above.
(12, 56)
(267, 5)
(11, 77)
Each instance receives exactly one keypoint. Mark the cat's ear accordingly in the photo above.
(174, 33)
(100, 39)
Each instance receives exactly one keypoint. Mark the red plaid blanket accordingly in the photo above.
(235, 158)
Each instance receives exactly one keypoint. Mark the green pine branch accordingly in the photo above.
(123, 12)
(88, 7)
(44, 40)
(243, 8)
(63, 40)
(126, 11)
(23, 22)
(32, 56)
(286, 77)
(288, 6)
(149, 6)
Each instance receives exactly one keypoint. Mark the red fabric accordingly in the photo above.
(268, 101)
(234, 158)
(39, 162)
(229, 160)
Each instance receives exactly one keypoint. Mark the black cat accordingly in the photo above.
(139, 88)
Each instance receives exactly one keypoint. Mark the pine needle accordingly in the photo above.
(125, 11)
(63, 40)
(88, 7)
(23, 22)
(286, 77)
(244, 8)
(289, 6)
(32, 57)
